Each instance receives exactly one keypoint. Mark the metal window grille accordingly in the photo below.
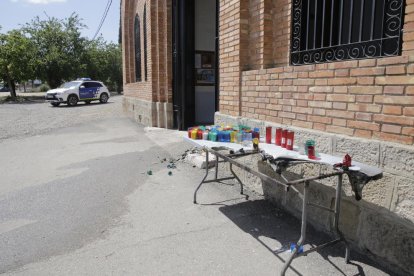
(337, 30)
(137, 31)
(145, 43)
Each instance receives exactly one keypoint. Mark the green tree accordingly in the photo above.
(16, 59)
(59, 48)
(115, 66)
(103, 61)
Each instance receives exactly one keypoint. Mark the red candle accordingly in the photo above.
(311, 152)
(289, 140)
(199, 134)
(278, 138)
(284, 138)
(189, 132)
(268, 134)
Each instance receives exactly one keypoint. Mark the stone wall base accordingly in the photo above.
(154, 114)
(381, 224)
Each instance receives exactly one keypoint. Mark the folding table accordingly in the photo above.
(359, 174)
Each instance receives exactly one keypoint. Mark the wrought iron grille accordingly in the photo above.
(137, 39)
(337, 30)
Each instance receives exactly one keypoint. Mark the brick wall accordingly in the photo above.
(280, 23)
(157, 88)
(233, 36)
(370, 98)
(143, 89)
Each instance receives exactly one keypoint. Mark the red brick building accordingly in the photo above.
(364, 96)
(338, 70)
(170, 62)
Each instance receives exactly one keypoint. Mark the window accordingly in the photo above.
(145, 43)
(137, 32)
(336, 30)
(91, 84)
(96, 84)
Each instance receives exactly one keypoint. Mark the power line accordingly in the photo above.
(108, 6)
(102, 18)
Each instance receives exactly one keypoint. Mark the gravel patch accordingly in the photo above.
(34, 118)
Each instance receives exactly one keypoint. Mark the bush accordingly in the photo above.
(44, 88)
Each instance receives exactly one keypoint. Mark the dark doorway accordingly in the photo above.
(195, 66)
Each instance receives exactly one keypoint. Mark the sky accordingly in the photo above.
(14, 13)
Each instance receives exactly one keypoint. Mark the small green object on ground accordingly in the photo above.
(170, 173)
(149, 172)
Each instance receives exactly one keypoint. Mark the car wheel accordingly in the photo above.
(72, 100)
(103, 98)
(55, 104)
(87, 102)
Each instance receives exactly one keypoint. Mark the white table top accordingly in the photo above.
(279, 152)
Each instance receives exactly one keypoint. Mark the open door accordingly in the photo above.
(195, 66)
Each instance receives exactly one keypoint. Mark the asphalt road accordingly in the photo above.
(65, 174)
(37, 117)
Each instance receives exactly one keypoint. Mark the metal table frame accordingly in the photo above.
(231, 159)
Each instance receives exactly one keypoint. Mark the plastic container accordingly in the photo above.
(256, 143)
(239, 137)
(219, 136)
(284, 138)
(311, 152)
(290, 140)
(268, 134)
(256, 133)
(205, 135)
(227, 136)
(293, 246)
(309, 143)
(278, 137)
(233, 137)
(194, 133)
(213, 136)
(200, 134)
(247, 142)
(243, 136)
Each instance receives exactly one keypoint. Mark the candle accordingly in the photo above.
(289, 140)
(278, 138)
(284, 138)
(268, 134)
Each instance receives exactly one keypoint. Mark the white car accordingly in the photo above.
(78, 91)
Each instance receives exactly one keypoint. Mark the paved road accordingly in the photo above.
(18, 120)
(65, 174)
(75, 200)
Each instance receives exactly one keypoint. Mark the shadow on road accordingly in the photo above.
(80, 104)
(263, 221)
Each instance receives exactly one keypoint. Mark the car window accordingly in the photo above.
(92, 84)
(95, 84)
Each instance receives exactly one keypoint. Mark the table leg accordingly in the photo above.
(238, 179)
(303, 230)
(202, 181)
(217, 162)
(336, 218)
